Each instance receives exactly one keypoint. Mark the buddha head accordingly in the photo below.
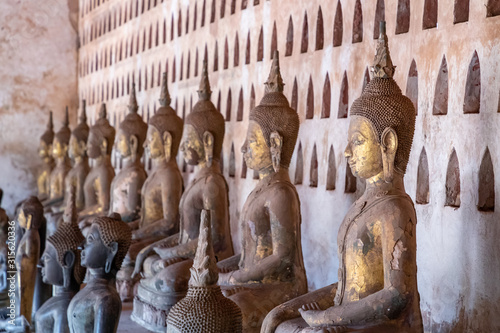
(45, 147)
(61, 259)
(204, 129)
(382, 123)
(30, 215)
(101, 136)
(273, 128)
(61, 139)
(165, 128)
(106, 244)
(79, 136)
(131, 132)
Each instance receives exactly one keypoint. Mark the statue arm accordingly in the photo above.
(230, 264)
(145, 252)
(181, 251)
(398, 253)
(290, 310)
(171, 193)
(215, 200)
(134, 197)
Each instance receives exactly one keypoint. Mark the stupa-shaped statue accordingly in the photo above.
(166, 263)
(161, 192)
(377, 287)
(204, 309)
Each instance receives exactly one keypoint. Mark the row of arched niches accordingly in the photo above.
(314, 165)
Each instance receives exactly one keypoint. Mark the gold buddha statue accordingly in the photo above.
(270, 269)
(78, 154)
(204, 309)
(126, 186)
(161, 192)
(45, 153)
(58, 174)
(166, 273)
(98, 182)
(31, 219)
(377, 287)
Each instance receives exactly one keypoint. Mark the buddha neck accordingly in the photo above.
(268, 177)
(69, 292)
(132, 162)
(103, 160)
(377, 183)
(161, 162)
(81, 160)
(204, 168)
(98, 276)
(61, 160)
(48, 160)
(266, 172)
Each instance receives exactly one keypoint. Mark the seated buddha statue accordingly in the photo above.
(97, 307)
(31, 219)
(58, 174)
(98, 182)
(161, 192)
(166, 273)
(377, 286)
(45, 153)
(61, 268)
(126, 187)
(270, 269)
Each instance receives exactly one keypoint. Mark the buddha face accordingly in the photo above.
(255, 151)
(154, 143)
(93, 146)
(363, 151)
(94, 251)
(44, 149)
(122, 144)
(76, 148)
(192, 146)
(52, 272)
(58, 149)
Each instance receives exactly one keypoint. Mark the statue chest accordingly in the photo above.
(190, 208)
(57, 180)
(152, 209)
(121, 190)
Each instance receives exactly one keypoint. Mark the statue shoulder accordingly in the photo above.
(282, 193)
(396, 207)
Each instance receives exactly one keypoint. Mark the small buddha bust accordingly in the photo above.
(204, 309)
(165, 264)
(126, 186)
(377, 239)
(161, 192)
(78, 154)
(270, 269)
(97, 307)
(61, 268)
(98, 182)
(31, 219)
(45, 153)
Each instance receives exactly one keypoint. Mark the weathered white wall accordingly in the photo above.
(38, 52)
(458, 251)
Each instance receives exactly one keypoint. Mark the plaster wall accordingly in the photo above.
(458, 249)
(38, 73)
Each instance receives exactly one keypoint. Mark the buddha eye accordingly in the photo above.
(90, 239)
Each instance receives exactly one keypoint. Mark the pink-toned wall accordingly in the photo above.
(38, 73)
(458, 248)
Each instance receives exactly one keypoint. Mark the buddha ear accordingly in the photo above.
(167, 145)
(389, 146)
(134, 146)
(276, 146)
(208, 143)
(69, 261)
(113, 249)
(104, 146)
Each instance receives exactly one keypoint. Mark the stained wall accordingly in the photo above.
(38, 73)
(325, 48)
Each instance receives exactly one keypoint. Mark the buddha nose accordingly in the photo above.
(347, 152)
(244, 148)
(181, 147)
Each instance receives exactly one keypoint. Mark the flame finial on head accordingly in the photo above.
(204, 91)
(50, 124)
(132, 104)
(102, 111)
(66, 118)
(83, 115)
(164, 95)
(382, 64)
(274, 82)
